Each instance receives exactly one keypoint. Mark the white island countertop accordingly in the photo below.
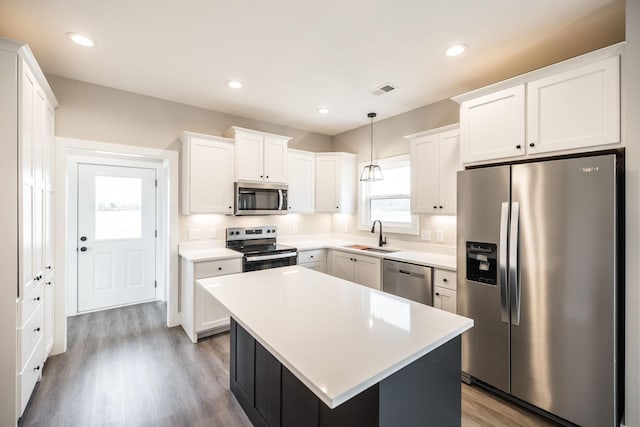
(337, 337)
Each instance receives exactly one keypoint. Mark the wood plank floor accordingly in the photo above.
(124, 367)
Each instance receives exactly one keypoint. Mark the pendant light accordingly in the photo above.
(371, 172)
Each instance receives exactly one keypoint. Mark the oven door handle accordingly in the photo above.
(270, 257)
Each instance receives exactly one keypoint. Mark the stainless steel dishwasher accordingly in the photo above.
(409, 281)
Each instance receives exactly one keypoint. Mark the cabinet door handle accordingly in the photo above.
(267, 176)
(48, 283)
(37, 368)
(48, 267)
(532, 144)
(261, 176)
(83, 249)
(444, 280)
(518, 146)
(219, 268)
(435, 207)
(36, 330)
(440, 207)
(311, 256)
(36, 299)
(437, 294)
(83, 239)
(337, 207)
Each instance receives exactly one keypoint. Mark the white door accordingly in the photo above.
(116, 236)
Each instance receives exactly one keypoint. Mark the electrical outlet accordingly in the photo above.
(425, 235)
(194, 234)
(213, 233)
(440, 236)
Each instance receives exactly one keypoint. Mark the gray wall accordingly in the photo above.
(99, 113)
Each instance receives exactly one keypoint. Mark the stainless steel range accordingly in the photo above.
(258, 244)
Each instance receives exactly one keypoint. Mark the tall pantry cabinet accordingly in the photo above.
(27, 279)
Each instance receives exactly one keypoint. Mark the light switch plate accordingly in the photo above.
(194, 234)
(213, 233)
(425, 235)
(440, 236)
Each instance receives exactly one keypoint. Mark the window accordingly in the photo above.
(388, 200)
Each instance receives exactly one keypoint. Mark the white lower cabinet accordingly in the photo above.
(444, 290)
(200, 311)
(444, 299)
(364, 270)
(314, 259)
(31, 352)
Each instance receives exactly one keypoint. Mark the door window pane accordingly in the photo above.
(118, 208)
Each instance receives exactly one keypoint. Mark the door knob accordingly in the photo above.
(83, 249)
(83, 238)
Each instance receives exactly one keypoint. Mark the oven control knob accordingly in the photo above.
(268, 231)
(273, 231)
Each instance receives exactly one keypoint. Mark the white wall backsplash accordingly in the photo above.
(346, 226)
(290, 224)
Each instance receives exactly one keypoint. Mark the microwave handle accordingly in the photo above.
(280, 199)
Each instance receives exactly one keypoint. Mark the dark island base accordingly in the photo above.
(424, 393)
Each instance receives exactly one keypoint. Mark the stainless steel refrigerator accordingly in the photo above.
(538, 250)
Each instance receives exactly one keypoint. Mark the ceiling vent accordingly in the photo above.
(385, 88)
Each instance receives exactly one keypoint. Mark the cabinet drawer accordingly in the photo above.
(310, 256)
(29, 335)
(30, 303)
(28, 377)
(444, 279)
(217, 268)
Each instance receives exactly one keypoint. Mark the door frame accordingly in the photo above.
(74, 160)
(68, 153)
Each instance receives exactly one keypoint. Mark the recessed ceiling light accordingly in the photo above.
(324, 110)
(456, 49)
(81, 39)
(234, 84)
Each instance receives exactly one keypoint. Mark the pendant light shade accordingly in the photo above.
(371, 172)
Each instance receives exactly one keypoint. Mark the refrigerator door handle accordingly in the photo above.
(504, 224)
(514, 264)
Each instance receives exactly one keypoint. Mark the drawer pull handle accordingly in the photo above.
(518, 146)
(37, 368)
(36, 299)
(219, 268)
(444, 280)
(36, 330)
(437, 294)
(310, 256)
(532, 145)
(48, 283)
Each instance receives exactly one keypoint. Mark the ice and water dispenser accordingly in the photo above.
(482, 264)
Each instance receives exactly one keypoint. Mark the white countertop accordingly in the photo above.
(209, 254)
(337, 337)
(429, 259)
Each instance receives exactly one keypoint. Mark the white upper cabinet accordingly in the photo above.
(572, 106)
(335, 182)
(260, 156)
(301, 187)
(207, 174)
(435, 161)
(492, 126)
(574, 109)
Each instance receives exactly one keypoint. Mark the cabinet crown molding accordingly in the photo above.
(23, 51)
(231, 131)
(568, 64)
(440, 129)
(185, 135)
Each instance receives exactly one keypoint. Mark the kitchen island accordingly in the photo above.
(311, 349)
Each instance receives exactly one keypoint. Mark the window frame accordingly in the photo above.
(364, 214)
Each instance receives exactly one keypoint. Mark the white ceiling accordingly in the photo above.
(292, 55)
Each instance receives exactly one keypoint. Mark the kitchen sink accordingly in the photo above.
(380, 250)
(371, 249)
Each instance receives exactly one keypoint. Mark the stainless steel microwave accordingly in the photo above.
(253, 198)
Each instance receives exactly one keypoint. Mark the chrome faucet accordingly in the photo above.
(381, 241)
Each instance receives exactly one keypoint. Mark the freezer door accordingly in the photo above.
(483, 208)
(563, 349)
